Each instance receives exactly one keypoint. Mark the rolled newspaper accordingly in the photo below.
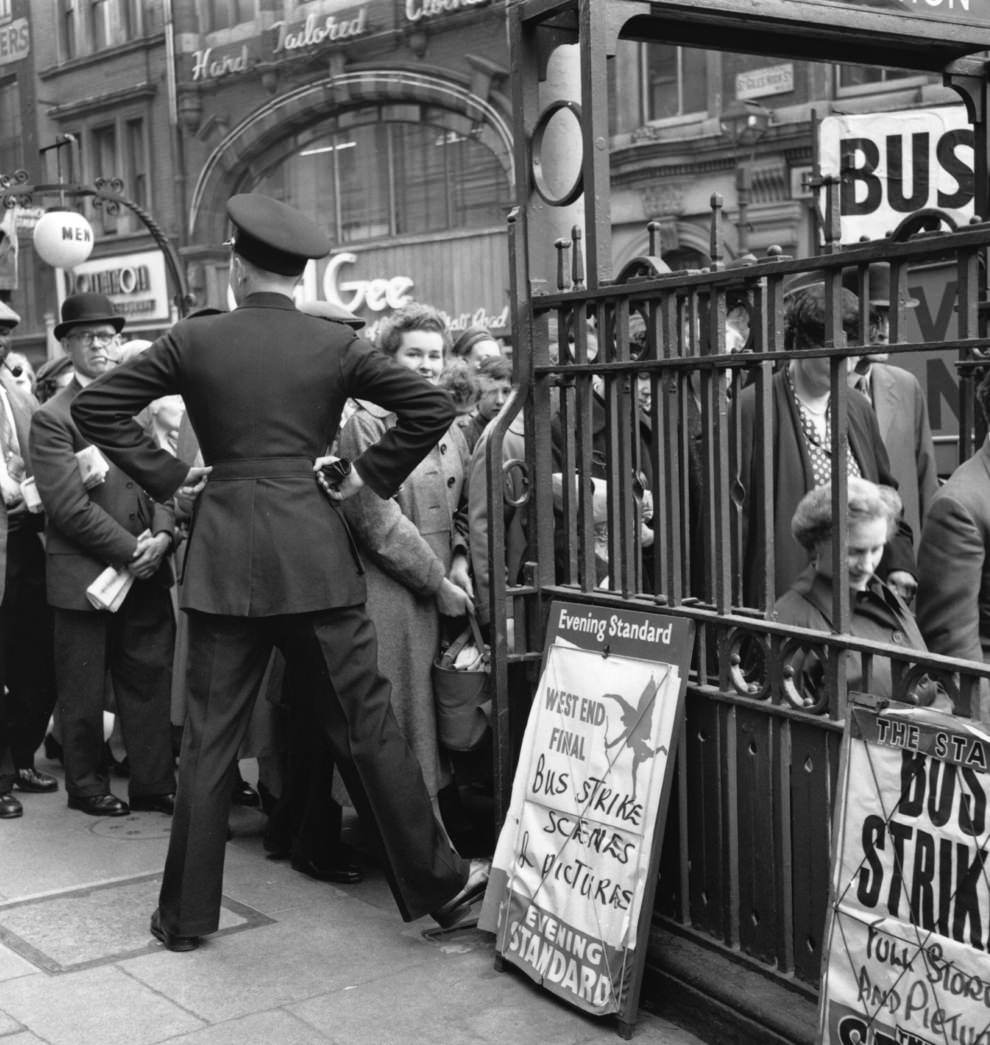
(110, 589)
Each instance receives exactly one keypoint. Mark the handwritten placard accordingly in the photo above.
(575, 867)
(909, 923)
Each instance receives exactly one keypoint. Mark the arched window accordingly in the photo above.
(390, 177)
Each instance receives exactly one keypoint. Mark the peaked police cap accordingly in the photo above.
(274, 236)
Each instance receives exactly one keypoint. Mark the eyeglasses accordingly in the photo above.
(89, 338)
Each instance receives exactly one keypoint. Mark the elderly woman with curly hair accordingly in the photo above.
(414, 546)
(876, 611)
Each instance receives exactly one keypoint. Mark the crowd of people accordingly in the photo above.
(322, 603)
(321, 522)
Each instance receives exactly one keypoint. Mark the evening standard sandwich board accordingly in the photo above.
(575, 868)
(909, 923)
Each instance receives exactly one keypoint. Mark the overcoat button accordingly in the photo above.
(451, 481)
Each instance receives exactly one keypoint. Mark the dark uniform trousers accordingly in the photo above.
(135, 645)
(337, 649)
(26, 653)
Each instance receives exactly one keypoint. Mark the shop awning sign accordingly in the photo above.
(574, 873)
(909, 922)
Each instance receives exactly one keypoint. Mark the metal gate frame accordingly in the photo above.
(745, 864)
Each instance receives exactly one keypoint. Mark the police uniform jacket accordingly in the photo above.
(264, 386)
(87, 530)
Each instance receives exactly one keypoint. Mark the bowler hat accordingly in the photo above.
(328, 310)
(87, 308)
(878, 282)
(8, 317)
(274, 236)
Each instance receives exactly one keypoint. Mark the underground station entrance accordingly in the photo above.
(736, 935)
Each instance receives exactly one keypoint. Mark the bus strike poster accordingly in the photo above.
(909, 922)
(575, 867)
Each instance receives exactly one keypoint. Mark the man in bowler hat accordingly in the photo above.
(271, 561)
(90, 527)
(27, 684)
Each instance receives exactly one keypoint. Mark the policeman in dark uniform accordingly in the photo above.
(271, 561)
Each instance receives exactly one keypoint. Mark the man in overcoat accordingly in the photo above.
(113, 523)
(898, 401)
(271, 561)
(954, 564)
(27, 682)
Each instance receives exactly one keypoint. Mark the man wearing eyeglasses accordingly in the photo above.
(98, 519)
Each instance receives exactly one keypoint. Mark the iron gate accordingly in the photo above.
(746, 852)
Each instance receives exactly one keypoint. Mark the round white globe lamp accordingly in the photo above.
(63, 238)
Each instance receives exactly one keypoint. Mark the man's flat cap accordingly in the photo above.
(274, 236)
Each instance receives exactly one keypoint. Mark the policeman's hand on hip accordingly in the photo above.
(337, 479)
(195, 481)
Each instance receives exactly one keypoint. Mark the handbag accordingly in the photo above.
(462, 689)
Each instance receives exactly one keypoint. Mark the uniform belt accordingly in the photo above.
(261, 468)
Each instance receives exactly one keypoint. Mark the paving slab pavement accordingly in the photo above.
(296, 962)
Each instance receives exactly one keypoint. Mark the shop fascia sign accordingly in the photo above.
(318, 30)
(418, 10)
(136, 285)
(385, 292)
(15, 35)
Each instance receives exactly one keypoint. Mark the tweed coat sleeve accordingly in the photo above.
(867, 444)
(68, 505)
(951, 567)
(385, 534)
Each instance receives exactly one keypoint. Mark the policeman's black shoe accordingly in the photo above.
(457, 908)
(343, 873)
(153, 804)
(34, 781)
(99, 805)
(10, 808)
(245, 794)
(171, 941)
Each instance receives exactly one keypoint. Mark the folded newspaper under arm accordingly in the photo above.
(93, 466)
(110, 589)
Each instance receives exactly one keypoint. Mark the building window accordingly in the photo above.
(136, 162)
(103, 151)
(11, 146)
(863, 78)
(98, 27)
(225, 14)
(90, 26)
(129, 19)
(655, 82)
(676, 81)
(382, 179)
(67, 29)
